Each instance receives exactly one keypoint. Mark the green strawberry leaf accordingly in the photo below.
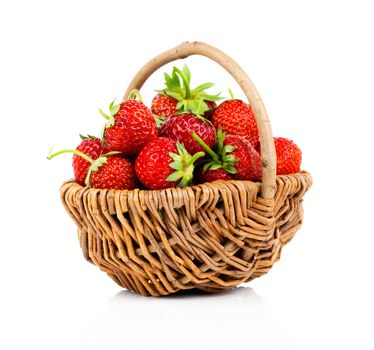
(172, 82)
(206, 167)
(175, 176)
(168, 79)
(203, 87)
(231, 94)
(180, 105)
(160, 120)
(106, 116)
(228, 148)
(215, 166)
(229, 159)
(113, 109)
(207, 97)
(174, 95)
(187, 73)
(230, 169)
(83, 137)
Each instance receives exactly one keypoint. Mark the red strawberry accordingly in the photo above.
(237, 118)
(91, 146)
(181, 98)
(129, 127)
(114, 173)
(165, 163)
(248, 160)
(288, 156)
(180, 126)
(163, 105)
(235, 155)
(212, 175)
(107, 171)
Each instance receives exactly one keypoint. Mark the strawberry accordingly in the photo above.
(163, 105)
(288, 156)
(165, 163)
(181, 98)
(235, 155)
(129, 127)
(91, 146)
(114, 173)
(107, 171)
(180, 126)
(212, 175)
(248, 164)
(237, 118)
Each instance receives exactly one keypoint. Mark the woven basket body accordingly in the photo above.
(212, 236)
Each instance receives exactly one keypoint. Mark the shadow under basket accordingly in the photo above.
(212, 236)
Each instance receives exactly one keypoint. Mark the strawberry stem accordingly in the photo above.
(78, 153)
(95, 164)
(186, 84)
(220, 138)
(195, 157)
(223, 159)
(205, 146)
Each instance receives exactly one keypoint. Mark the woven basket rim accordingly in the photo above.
(205, 184)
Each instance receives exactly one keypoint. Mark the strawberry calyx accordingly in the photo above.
(95, 164)
(220, 159)
(189, 100)
(84, 137)
(160, 120)
(135, 94)
(113, 110)
(183, 164)
(110, 120)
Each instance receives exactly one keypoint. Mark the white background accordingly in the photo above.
(312, 62)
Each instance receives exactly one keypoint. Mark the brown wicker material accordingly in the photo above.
(212, 236)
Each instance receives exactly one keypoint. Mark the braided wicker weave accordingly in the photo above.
(212, 236)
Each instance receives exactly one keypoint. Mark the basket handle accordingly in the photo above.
(186, 49)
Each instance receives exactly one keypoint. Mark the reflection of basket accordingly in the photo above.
(212, 236)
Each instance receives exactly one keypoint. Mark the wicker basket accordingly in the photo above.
(212, 236)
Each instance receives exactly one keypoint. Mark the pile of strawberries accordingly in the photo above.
(182, 140)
